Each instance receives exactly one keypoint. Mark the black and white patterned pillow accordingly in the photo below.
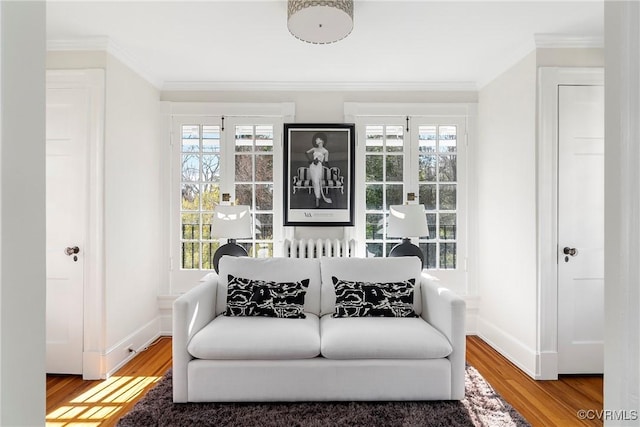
(247, 297)
(239, 296)
(366, 299)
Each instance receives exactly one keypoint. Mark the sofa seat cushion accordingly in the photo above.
(257, 338)
(381, 338)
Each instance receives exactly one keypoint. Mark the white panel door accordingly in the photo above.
(580, 229)
(66, 204)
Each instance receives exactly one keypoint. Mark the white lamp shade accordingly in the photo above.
(407, 221)
(231, 222)
(320, 21)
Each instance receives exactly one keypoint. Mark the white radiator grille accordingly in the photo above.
(316, 248)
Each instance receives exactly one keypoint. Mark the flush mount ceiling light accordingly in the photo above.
(320, 21)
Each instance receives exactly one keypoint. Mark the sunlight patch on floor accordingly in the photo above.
(100, 402)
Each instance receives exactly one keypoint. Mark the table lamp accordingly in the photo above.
(407, 221)
(231, 222)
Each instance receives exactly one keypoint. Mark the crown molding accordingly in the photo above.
(539, 41)
(89, 44)
(563, 41)
(107, 45)
(320, 86)
(498, 66)
(402, 109)
(104, 44)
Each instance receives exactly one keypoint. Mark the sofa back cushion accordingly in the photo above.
(374, 270)
(273, 270)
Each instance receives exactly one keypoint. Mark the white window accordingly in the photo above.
(199, 192)
(419, 155)
(384, 183)
(254, 183)
(216, 154)
(437, 166)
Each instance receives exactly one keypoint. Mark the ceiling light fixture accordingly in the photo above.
(320, 21)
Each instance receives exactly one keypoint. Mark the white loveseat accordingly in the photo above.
(217, 358)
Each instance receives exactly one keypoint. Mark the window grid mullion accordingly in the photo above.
(201, 139)
(385, 155)
(438, 213)
(384, 190)
(200, 192)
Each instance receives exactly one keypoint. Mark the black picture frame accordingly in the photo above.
(333, 205)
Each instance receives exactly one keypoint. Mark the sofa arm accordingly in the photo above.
(191, 312)
(446, 311)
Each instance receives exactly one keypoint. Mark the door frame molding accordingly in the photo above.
(549, 78)
(93, 82)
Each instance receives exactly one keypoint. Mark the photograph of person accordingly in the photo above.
(318, 171)
(319, 157)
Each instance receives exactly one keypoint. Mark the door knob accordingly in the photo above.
(569, 251)
(71, 250)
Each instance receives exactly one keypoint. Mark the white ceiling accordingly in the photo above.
(394, 44)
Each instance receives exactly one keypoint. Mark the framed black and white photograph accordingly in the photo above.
(319, 176)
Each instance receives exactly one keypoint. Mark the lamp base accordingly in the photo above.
(231, 249)
(406, 248)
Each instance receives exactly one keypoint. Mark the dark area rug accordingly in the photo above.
(482, 406)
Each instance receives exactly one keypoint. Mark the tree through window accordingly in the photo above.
(200, 193)
(422, 159)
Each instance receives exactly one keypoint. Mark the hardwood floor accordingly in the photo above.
(542, 403)
(73, 402)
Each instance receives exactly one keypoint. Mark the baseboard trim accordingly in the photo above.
(547, 366)
(473, 305)
(92, 365)
(165, 306)
(118, 355)
(511, 348)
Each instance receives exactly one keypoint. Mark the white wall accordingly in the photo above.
(506, 181)
(506, 197)
(322, 106)
(133, 211)
(22, 220)
(622, 213)
(317, 106)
